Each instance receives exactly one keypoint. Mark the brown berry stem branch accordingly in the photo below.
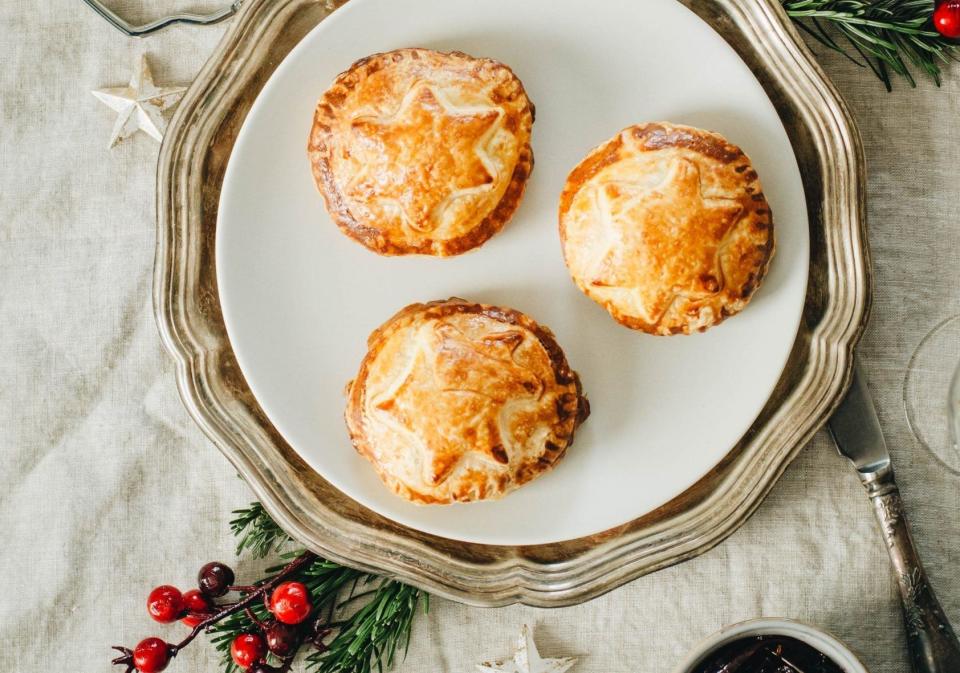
(257, 592)
(248, 611)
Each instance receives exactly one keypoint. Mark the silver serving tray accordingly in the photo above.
(192, 163)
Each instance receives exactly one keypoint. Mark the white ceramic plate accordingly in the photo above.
(299, 298)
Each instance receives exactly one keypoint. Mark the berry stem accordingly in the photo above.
(253, 618)
(125, 658)
(288, 662)
(257, 592)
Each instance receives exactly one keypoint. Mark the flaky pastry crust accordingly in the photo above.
(422, 152)
(667, 228)
(458, 401)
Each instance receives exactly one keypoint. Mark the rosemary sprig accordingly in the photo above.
(362, 638)
(884, 35)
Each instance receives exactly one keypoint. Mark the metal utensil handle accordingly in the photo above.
(933, 644)
(139, 31)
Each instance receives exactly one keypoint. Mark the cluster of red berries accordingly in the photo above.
(289, 604)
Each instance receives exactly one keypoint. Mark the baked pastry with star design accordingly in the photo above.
(457, 401)
(667, 228)
(422, 152)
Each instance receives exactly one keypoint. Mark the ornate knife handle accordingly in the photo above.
(933, 644)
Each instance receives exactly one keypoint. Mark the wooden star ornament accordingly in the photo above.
(526, 659)
(140, 105)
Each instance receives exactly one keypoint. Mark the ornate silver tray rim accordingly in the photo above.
(190, 172)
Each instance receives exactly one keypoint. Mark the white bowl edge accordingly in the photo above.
(765, 626)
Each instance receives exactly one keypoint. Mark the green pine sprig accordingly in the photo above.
(374, 633)
(256, 532)
(888, 36)
(361, 637)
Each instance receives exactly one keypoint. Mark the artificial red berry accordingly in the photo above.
(946, 18)
(247, 649)
(290, 602)
(165, 603)
(151, 655)
(198, 607)
(281, 639)
(214, 579)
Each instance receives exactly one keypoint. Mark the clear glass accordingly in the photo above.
(931, 392)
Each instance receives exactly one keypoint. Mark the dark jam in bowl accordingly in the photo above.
(767, 654)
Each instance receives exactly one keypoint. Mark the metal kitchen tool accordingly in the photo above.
(139, 31)
(856, 429)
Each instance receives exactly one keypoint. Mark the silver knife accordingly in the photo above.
(856, 430)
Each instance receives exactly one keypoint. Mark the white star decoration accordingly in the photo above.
(527, 659)
(140, 105)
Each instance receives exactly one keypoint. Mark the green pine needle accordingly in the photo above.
(257, 532)
(368, 637)
(374, 633)
(884, 35)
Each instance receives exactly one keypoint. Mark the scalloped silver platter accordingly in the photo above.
(192, 164)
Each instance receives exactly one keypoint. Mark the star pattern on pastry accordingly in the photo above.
(139, 105)
(438, 139)
(648, 233)
(527, 659)
(464, 378)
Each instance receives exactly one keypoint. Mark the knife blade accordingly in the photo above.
(856, 428)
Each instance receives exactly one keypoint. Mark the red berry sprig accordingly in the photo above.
(946, 18)
(215, 579)
(282, 639)
(165, 604)
(151, 655)
(197, 607)
(247, 649)
(288, 601)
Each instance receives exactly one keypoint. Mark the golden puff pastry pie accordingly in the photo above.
(458, 401)
(667, 228)
(422, 152)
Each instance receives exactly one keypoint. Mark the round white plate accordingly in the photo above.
(299, 298)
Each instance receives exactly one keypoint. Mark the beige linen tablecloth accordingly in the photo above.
(108, 488)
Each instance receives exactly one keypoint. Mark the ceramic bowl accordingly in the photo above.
(810, 635)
